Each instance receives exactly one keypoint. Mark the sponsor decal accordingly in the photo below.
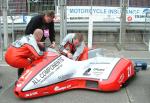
(31, 94)
(98, 71)
(58, 88)
(94, 71)
(48, 71)
(19, 85)
(87, 72)
(129, 71)
(101, 68)
(23, 77)
(26, 74)
(46, 33)
(121, 78)
(45, 93)
(129, 18)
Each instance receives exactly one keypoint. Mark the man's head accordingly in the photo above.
(78, 38)
(38, 34)
(49, 16)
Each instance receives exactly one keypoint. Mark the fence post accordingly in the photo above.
(90, 28)
(1, 42)
(5, 25)
(123, 7)
(149, 46)
(63, 19)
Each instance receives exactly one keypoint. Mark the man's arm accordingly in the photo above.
(79, 51)
(52, 32)
(65, 52)
(65, 41)
(62, 49)
(32, 45)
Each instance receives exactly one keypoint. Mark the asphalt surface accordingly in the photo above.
(138, 90)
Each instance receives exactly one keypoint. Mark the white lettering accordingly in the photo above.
(129, 71)
(31, 94)
(47, 71)
(57, 88)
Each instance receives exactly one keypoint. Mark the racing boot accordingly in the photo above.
(20, 71)
(0, 86)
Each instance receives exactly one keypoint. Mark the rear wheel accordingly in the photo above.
(140, 65)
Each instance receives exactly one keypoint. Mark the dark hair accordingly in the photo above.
(50, 13)
(79, 37)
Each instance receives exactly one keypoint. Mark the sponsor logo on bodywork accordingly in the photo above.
(94, 71)
(87, 72)
(129, 71)
(48, 71)
(121, 78)
(31, 94)
(59, 88)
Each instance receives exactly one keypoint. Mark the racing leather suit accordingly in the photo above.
(67, 45)
(22, 52)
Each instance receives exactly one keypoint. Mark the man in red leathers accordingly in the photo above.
(23, 51)
(74, 47)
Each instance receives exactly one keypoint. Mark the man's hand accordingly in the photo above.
(69, 55)
(53, 45)
(41, 44)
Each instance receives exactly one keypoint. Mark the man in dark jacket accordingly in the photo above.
(44, 22)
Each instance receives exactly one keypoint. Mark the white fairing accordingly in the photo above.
(63, 68)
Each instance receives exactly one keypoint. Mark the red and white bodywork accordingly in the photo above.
(56, 73)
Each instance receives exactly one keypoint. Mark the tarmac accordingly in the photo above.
(138, 90)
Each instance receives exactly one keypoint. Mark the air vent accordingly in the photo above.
(91, 84)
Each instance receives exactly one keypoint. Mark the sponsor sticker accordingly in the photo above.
(48, 71)
(121, 78)
(46, 33)
(129, 71)
(59, 88)
(31, 94)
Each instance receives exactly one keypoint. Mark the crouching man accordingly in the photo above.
(73, 47)
(24, 51)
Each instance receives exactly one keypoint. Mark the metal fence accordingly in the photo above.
(146, 37)
(127, 29)
(24, 7)
(18, 7)
(107, 28)
(1, 43)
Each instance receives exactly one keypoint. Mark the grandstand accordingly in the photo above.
(103, 31)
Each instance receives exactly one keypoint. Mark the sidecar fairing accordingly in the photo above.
(56, 73)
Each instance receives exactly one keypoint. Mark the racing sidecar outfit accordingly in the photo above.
(22, 52)
(77, 51)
